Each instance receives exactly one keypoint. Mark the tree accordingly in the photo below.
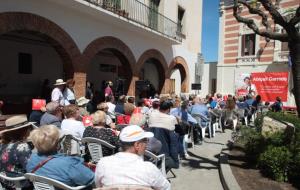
(265, 9)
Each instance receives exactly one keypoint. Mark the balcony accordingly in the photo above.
(281, 56)
(140, 13)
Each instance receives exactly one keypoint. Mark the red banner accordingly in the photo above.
(271, 85)
(37, 104)
(87, 121)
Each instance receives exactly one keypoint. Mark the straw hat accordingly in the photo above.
(82, 101)
(59, 82)
(15, 123)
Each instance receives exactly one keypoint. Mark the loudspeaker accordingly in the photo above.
(142, 85)
(196, 86)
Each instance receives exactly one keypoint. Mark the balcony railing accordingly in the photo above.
(142, 14)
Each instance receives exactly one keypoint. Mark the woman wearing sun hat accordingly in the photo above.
(57, 92)
(14, 150)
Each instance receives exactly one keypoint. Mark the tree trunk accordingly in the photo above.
(294, 46)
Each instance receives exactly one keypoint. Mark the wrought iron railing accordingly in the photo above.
(142, 14)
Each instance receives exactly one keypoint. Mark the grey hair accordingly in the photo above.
(51, 107)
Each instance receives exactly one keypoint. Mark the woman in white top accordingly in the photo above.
(69, 94)
(71, 125)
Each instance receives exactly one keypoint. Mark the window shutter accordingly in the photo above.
(243, 45)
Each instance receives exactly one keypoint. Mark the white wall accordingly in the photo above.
(176, 75)
(190, 58)
(46, 63)
(85, 24)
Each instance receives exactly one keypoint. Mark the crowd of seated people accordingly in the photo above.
(161, 125)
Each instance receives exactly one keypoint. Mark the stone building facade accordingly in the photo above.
(96, 40)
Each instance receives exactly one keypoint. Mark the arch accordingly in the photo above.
(180, 64)
(160, 63)
(48, 30)
(114, 45)
(118, 47)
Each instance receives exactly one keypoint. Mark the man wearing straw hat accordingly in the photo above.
(57, 95)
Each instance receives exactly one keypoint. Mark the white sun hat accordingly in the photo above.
(133, 133)
(59, 82)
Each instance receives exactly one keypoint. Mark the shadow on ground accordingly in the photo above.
(198, 162)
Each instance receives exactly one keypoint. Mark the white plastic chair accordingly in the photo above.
(224, 119)
(45, 183)
(242, 116)
(95, 147)
(216, 125)
(71, 145)
(16, 181)
(156, 159)
(189, 138)
(199, 119)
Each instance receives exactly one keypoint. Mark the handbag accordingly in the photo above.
(181, 128)
(41, 164)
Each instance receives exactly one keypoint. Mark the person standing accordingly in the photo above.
(89, 91)
(57, 95)
(108, 90)
(69, 93)
(277, 106)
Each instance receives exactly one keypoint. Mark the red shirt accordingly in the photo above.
(108, 91)
(123, 119)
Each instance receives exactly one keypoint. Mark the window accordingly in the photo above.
(25, 63)
(180, 23)
(248, 45)
(107, 68)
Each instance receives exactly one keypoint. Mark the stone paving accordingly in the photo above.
(201, 170)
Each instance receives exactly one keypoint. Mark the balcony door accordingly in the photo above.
(153, 14)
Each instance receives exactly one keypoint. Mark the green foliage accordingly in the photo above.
(253, 141)
(294, 170)
(276, 139)
(274, 162)
(258, 122)
(278, 154)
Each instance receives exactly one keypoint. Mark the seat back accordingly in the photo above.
(197, 117)
(95, 147)
(45, 183)
(70, 145)
(14, 181)
(169, 141)
(156, 159)
(241, 112)
(201, 119)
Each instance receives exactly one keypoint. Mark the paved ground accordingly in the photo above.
(201, 170)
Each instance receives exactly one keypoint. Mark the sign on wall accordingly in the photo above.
(266, 84)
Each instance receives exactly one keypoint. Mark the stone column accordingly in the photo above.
(131, 90)
(167, 87)
(80, 81)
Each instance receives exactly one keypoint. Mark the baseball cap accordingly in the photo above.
(133, 133)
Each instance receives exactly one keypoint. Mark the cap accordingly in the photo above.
(133, 133)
